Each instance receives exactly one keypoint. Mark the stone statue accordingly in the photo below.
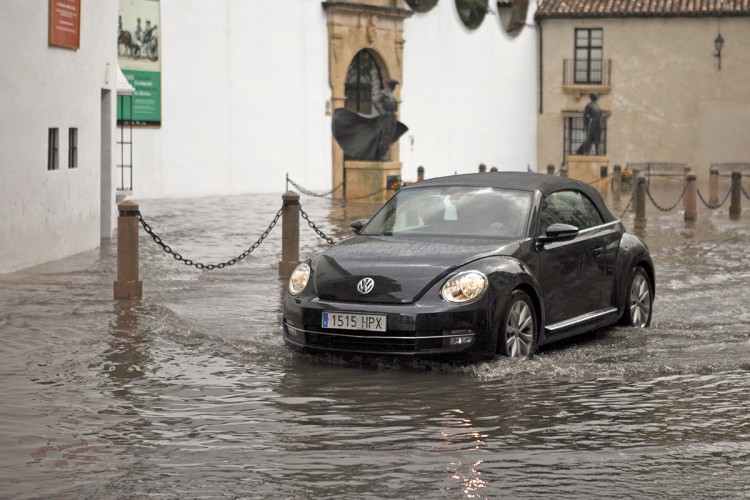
(592, 123)
(368, 138)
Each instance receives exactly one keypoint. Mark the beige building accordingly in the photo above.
(671, 79)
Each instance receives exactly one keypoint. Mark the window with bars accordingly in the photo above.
(575, 136)
(363, 83)
(53, 145)
(589, 55)
(72, 148)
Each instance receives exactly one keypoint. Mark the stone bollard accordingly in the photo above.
(617, 180)
(691, 198)
(420, 174)
(550, 169)
(127, 286)
(635, 175)
(289, 233)
(564, 171)
(713, 187)
(640, 203)
(734, 205)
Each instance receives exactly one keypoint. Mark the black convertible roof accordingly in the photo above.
(522, 181)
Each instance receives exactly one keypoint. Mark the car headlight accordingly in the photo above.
(465, 286)
(298, 280)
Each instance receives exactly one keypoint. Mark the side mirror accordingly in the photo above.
(558, 232)
(357, 225)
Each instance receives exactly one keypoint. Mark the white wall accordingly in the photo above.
(244, 92)
(468, 97)
(47, 215)
(243, 100)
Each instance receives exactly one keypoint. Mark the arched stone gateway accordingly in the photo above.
(365, 49)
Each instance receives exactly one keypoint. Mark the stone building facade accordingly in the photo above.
(666, 92)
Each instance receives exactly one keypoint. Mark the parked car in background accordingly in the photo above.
(471, 266)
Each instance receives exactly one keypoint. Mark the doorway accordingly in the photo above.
(107, 208)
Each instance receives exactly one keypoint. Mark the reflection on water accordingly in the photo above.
(189, 392)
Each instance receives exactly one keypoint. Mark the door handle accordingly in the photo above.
(598, 251)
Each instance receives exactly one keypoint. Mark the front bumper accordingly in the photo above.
(412, 329)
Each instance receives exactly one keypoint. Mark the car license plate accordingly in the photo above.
(354, 321)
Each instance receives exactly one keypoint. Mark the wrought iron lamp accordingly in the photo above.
(719, 44)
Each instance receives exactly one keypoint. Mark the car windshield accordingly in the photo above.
(454, 211)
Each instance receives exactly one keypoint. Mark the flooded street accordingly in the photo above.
(191, 393)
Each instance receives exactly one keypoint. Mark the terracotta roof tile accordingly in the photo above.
(642, 8)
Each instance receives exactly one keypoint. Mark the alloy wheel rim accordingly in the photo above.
(640, 301)
(519, 330)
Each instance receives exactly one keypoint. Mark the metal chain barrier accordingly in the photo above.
(650, 197)
(330, 193)
(314, 227)
(311, 193)
(742, 188)
(209, 267)
(713, 207)
(627, 207)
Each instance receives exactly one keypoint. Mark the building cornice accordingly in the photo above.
(598, 9)
(357, 8)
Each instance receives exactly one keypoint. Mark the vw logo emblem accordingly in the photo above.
(365, 285)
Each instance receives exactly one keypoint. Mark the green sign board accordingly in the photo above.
(146, 105)
(139, 57)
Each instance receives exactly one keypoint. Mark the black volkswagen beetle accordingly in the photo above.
(470, 266)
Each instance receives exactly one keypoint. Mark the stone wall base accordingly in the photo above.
(366, 180)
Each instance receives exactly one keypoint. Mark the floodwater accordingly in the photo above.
(190, 392)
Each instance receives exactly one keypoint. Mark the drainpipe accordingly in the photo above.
(541, 67)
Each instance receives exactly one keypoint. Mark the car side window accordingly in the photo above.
(568, 207)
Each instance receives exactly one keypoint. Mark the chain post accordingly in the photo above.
(127, 286)
(691, 198)
(617, 181)
(735, 207)
(420, 173)
(289, 233)
(713, 186)
(640, 203)
(635, 175)
(550, 169)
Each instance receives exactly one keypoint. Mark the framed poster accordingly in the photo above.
(139, 57)
(65, 23)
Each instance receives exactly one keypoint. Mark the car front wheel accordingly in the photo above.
(639, 299)
(517, 337)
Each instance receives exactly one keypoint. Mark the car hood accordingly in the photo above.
(403, 269)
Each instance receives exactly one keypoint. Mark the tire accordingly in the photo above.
(638, 300)
(518, 328)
